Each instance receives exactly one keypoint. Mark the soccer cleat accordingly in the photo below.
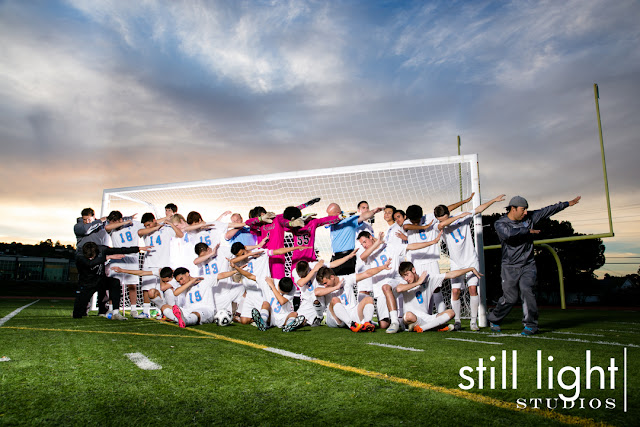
(140, 316)
(104, 315)
(368, 327)
(258, 320)
(117, 316)
(457, 326)
(393, 328)
(495, 328)
(447, 328)
(474, 326)
(417, 328)
(316, 322)
(355, 327)
(294, 324)
(412, 327)
(177, 311)
(527, 331)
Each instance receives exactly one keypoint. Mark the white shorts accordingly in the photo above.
(151, 282)
(225, 296)
(423, 317)
(206, 313)
(332, 322)
(253, 299)
(279, 319)
(460, 282)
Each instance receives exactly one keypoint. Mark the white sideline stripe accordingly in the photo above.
(575, 333)
(288, 353)
(5, 359)
(481, 342)
(620, 331)
(395, 346)
(538, 337)
(8, 317)
(143, 361)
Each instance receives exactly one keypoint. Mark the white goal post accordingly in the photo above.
(425, 182)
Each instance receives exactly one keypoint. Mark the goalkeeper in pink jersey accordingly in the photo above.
(263, 223)
(306, 234)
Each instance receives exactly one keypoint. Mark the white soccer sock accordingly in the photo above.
(475, 303)
(367, 313)
(264, 313)
(318, 308)
(433, 323)
(455, 305)
(169, 297)
(342, 314)
(393, 316)
(168, 313)
(190, 319)
(146, 308)
(110, 307)
(439, 302)
(158, 301)
(134, 308)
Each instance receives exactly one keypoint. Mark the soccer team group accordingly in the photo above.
(198, 272)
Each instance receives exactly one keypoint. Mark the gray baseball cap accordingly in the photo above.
(518, 201)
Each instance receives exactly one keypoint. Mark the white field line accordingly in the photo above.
(8, 317)
(539, 337)
(288, 354)
(394, 346)
(622, 323)
(575, 333)
(143, 361)
(481, 342)
(620, 331)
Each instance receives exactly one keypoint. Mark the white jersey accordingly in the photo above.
(460, 245)
(391, 238)
(345, 293)
(200, 295)
(279, 312)
(430, 253)
(363, 226)
(126, 237)
(417, 300)
(379, 257)
(182, 254)
(365, 285)
(160, 254)
(212, 235)
(217, 264)
(307, 292)
(259, 266)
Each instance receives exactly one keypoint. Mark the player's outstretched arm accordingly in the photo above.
(226, 274)
(242, 271)
(187, 285)
(306, 279)
(282, 300)
(457, 273)
(283, 251)
(415, 246)
(146, 231)
(414, 227)
(460, 203)
(368, 215)
(373, 247)
(403, 287)
(140, 273)
(485, 205)
(320, 291)
(210, 253)
(373, 271)
(338, 262)
(451, 220)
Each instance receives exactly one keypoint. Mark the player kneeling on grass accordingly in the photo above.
(417, 294)
(344, 309)
(199, 306)
(162, 297)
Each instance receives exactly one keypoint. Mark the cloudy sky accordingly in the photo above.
(105, 94)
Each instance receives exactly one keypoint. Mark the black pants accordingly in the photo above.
(348, 267)
(517, 281)
(102, 285)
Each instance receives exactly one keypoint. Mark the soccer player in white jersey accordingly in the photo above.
(422, 228)
(199, 306)
(365, 287)
(462, 253)
(339, 292)
(378, 252)
(417, 293)
(304, 275)
(124, 234)
(158, 234)
(277, 308)
(395, 234)
(257, 264)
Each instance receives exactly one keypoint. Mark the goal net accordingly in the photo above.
(425, 182)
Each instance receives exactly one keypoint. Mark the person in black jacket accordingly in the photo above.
(92, 278)
(515, 231)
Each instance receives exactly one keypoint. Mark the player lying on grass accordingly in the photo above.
(199, 306)
(92, 278)
(304, 276)
(377, 252)
(344, 310)
(163, 296)
(462, 253)
(417, 294)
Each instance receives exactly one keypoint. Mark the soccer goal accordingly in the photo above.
(425, 182)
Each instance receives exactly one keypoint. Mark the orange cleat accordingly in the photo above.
(356, 327)
(417, 328)
(368, 327)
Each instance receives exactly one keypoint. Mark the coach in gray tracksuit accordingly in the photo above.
(516, 233)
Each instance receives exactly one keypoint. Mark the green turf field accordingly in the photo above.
(76, 372)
